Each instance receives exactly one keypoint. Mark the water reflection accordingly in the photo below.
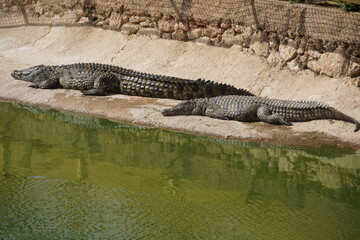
(100, 158)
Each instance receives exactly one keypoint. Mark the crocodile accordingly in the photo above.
(102, 79)
(252, 109)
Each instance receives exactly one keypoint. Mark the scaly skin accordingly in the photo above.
(102, 79)
(251, 108)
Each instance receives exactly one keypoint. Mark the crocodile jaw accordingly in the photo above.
(28, 74)
(182, 108)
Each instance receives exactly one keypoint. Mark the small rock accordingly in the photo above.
(203, 40)
(200, 22)
(147, 24)
(166, 36)
(238, 28)
(274, 58)
(333, 64)
(303, 59)
(330, 46)
(195, 33)
(238, 39)
(125, 19)
(166, 26)
(129, 28)
(261, 48)
(314, 54)
(293, 65)
(151, 32)
(184, 26)
(137, 19)
(287, 52)
(225, 25)
(213, 31)
(115, 21)
(228, 37)
(314, 66)
(354, 68)
(273, 42)
(179, 34)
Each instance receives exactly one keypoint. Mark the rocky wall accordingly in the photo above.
(324, 40)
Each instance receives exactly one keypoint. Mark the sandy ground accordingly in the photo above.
(27, 46)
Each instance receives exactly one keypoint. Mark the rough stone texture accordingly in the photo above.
(228, 37)
(115, 21)
(213, 31)
(314, 54)
(293, 65)
(203, 40)
(238, 40)
(166, 26)
(314, 66)
(274, 58)
(137, 19)
(184, 26)
(246, 36)
(333, 64)
(195, 33)
(260, 48)
(354, 68)
(152, 32)
(179, 35)
(129, 28)
(287, 53)
(166, 36)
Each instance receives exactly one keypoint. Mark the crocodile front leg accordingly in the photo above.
(50, 83)
(265, 115)
(105, 83)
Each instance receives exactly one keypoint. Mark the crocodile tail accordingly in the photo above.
(227, 89)
(241, 91)
(213, 89)
(341, 116)
(357, 128)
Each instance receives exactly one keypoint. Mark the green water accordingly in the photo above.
(65, 176)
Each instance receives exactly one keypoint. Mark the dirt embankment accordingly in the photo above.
(27, 46)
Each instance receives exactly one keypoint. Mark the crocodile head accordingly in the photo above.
(183, 108)
(33, 74)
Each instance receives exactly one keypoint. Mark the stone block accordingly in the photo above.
(195, 33)
(137, 19)
(129, 28)
(166, 36)
(228, 37)
(314, 66)
(213, 31)
(314, 54)
(354, 68)
(274, 58)
(333, 64)
(260, 48)
(151, 32)
(166, 26)
(203, 40)
(293, 65)
(179, 34)
(287, 52)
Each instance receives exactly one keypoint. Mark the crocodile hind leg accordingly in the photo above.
(50, 83)
(104, 84)
(265, 115)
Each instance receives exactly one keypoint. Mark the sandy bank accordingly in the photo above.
(27, 46)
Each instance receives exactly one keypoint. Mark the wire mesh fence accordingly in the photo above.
(317, 22)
